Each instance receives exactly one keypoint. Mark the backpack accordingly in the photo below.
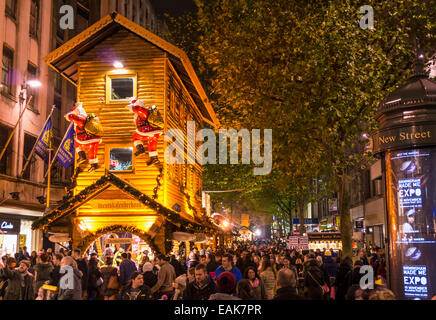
(93, 126)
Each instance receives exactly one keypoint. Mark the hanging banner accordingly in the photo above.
(44, 142)
(66, 151)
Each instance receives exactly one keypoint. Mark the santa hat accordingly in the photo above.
(136, 102)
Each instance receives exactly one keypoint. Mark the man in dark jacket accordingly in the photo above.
(330, 268)
(287, 286)
(178, 268)
(202, 287)
(135, 289)
(83, 267)
(313, 279)
(127, 267)
(20, 282)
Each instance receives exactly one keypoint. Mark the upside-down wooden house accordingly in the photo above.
(136, 198)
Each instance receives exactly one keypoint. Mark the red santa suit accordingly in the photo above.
(84, 142)
(145, 131)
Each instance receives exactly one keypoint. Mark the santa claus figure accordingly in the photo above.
(88, 135)
(146, 130)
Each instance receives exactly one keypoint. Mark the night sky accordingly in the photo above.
(173, 7)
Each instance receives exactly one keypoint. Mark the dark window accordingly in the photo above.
(11, 8)
(29, 142)
(120, 159)
(6, 161)
(34, 18)
(126, 3)
(122, 88)
(376, 187)
(56, 116)
(32, 74)
(134, 11)
(58, 83)
(7, 66)
(82, 20)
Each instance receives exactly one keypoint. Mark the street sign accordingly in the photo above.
(297, 242)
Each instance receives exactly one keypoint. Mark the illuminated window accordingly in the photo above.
(121, 159)
(120, 88)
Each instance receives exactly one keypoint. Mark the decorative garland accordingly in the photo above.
(171, 215)
(159, 184)
(86, 241)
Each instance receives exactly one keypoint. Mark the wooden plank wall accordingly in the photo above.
(148, 62)
(179, 109)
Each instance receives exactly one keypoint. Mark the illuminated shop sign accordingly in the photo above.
(411, 177)
(415, 281)
(8, 225)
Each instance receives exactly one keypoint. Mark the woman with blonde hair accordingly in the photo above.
(267, 274)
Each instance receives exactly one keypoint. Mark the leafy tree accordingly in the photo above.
(308, 71)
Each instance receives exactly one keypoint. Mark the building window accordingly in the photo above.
(34, 18)
(134, 11)
(120, 88)
(121, 159)
(146, 16)
(6, 161)
(56, 115)
(126, 7)
(32, 74)
(29, 142)
(7, 66)
(376, 187)
(58, 83)
(11, 8)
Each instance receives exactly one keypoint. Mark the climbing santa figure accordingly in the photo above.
(88, 136)
(147, 129)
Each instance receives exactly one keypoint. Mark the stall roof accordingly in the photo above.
(64, 59)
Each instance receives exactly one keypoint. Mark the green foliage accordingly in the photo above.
(308, 71)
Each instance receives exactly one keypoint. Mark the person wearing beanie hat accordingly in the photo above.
(20, 282)
(225, 283)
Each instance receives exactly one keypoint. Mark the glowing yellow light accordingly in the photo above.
(225, 223)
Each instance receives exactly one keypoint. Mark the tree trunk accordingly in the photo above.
(290, 217)
(301, 216)
(344, 211)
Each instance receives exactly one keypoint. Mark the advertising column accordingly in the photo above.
(411, 199)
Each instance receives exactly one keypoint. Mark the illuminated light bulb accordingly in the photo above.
(118, 64)
(34, 83)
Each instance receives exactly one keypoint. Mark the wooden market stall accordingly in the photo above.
(139, 199)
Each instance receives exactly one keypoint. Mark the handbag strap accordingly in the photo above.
(314, 279)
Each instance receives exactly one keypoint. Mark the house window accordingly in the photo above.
(11, 8)
(32, 74)
(121, 159)
(6, 161)
(120, 88)
(34, 18)
(7, 65)
(29, 142)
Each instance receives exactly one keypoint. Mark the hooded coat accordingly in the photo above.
(74, 293)
(313, 280)
(43, 271)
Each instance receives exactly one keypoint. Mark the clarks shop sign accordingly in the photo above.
(398, 138)
(8, 225)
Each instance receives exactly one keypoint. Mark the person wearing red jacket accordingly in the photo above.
(86, 143)
(145, 131)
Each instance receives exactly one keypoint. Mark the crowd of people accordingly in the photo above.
(244, 271)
